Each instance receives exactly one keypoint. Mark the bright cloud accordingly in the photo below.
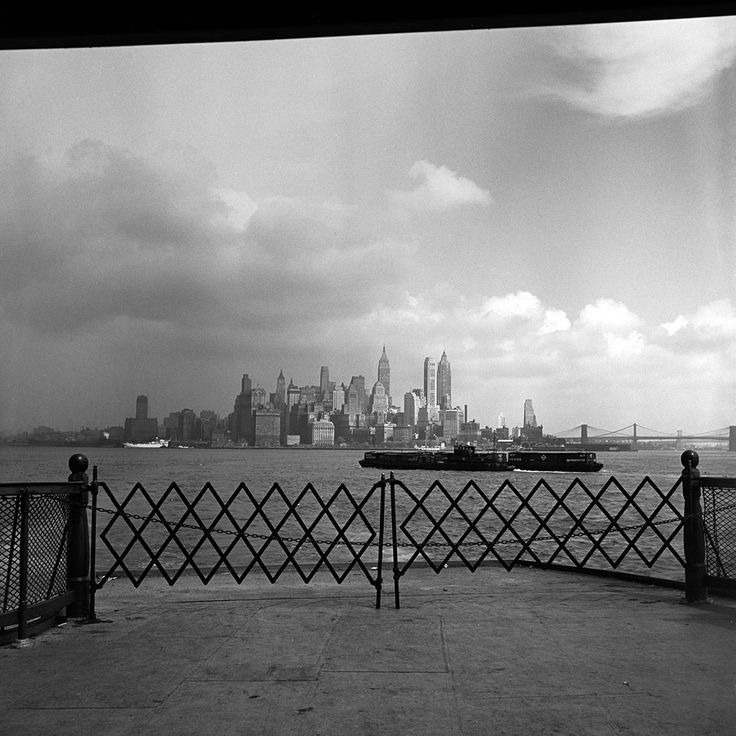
(439, 189)
(646, 68)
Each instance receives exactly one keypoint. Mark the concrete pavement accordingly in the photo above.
(490, 652)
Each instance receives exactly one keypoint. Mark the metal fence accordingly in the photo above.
(52, 563)
(36, 555)
(209, 533)
(719, 520)
(610, 528)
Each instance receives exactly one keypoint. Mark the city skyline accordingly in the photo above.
(554, 207)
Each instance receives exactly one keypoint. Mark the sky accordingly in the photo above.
(554, 207)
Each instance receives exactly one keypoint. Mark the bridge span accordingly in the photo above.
(630, 437)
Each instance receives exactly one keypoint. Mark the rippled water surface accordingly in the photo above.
(326, 470)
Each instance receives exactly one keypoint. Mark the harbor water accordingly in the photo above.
(220, 472)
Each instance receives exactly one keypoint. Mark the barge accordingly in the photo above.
(565, 461)
(462, 457)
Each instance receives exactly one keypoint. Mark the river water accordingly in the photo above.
(327, 470)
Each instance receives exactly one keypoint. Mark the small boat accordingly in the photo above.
(147, 445)
(462, 457)
(565, 461)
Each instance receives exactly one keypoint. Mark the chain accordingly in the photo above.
(309, 537)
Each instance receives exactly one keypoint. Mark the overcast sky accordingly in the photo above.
(553, 207)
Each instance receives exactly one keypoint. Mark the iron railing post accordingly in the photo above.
(93, 548)
(394, 542)
(23, 565)
(78, 563)
(693, 530)
(379, 577)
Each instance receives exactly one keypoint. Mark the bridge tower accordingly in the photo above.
(583, 435)
(678, 442)
(633, 444)
(732, 438)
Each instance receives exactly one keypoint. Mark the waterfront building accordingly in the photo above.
(321, 433)
(403, 435)
(384, 374)
(451, 420)
(140, 428)
(187, 429)
(444, 382)
(266, 427)
(384, 433)
(341, 422)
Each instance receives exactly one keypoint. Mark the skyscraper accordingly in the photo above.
(280, 402)
(444, 383)
(324, 382)
(530, 420)
(384, 374)
(430, 387)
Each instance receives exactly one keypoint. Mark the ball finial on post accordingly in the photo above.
(689, 458)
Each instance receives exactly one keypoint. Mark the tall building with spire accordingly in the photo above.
(444, 383)
(530, 419)
(280, 401)
(384, 374)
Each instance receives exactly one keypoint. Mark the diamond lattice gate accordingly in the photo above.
(577, 527)
(609, 528)
(243, 533)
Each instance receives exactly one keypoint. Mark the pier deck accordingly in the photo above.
(490, 652)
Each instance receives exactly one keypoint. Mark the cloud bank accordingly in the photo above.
(631, 70)
(124, 275)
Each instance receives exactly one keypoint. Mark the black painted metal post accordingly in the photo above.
(23, 565)
(379, 578)
(78, 554)
(93, 548)
(394, 542)
(693, 530)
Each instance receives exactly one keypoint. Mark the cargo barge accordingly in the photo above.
(462, 457)
(555, 460)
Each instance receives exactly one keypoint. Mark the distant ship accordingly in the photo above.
(148, 445)
(463, 457)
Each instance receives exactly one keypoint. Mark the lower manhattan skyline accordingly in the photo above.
(551, 207)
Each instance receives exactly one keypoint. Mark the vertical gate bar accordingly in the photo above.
(394, 543)
(693, 534)
(379, 578)
(93, 548)
(23, 572)
(13, 551)
(78, 552)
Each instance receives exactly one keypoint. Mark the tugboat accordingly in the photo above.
(565, 461)
(462, 457)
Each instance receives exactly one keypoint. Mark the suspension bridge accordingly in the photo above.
(636, 435)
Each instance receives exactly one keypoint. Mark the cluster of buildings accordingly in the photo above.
(328, 413)
(323, 414)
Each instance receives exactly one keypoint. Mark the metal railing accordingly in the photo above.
(49, 557)
(44, 559)
(719, 523)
